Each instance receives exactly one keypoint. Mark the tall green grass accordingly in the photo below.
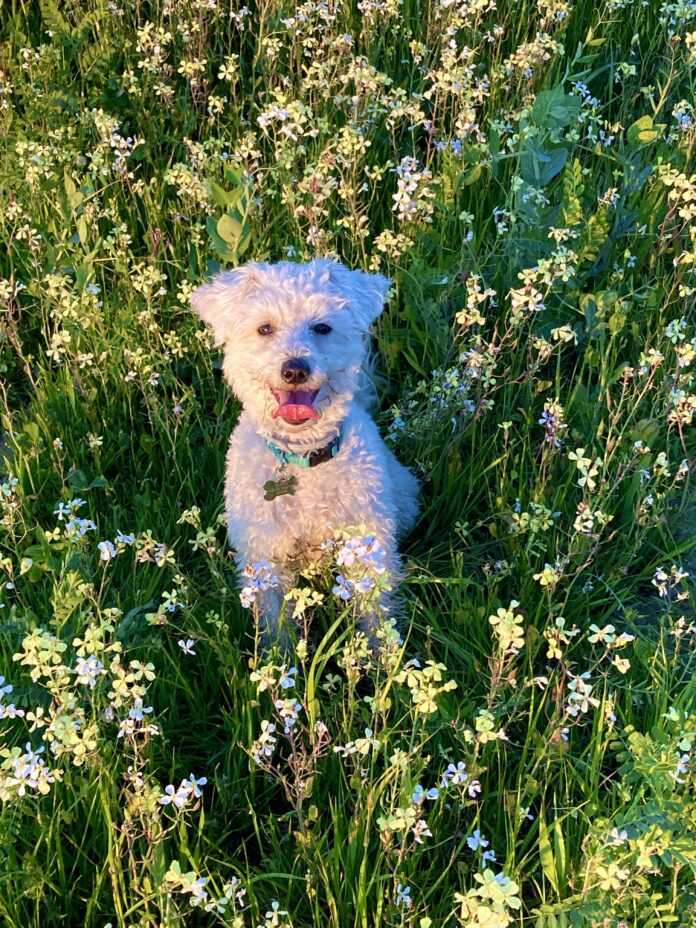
(142, 151)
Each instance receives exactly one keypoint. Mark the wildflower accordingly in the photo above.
(581, 462)
(287, 678)
(187, 646)
(528, 299)
(232, 888)
(107, 550)
(612, 877)
(27, 771)
(553, 422)
(403, 896)
(580, 699)
(229, 69)
(360, 746)
(548, 577)
(682, 767)
(425, 684)
(177, 797)
(88, 670)
(486, 729)
(80, 527)
(603, 635)
(477, 840)
(263, 747)
(365, 550)
(260, 577)
(420, 794)
(288, 711)
(344, 588)
(454, 775)
(411, 200)
(507, 626)
(420, 830)
(67, 509)
(194, 784)
(139, 710)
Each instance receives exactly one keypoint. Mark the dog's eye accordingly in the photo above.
(265, 329)
(321, 328)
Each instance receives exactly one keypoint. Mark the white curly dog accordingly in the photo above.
(305, 457)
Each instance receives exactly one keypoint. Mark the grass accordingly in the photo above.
(523, 174)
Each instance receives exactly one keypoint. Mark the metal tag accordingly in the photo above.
(275, 488)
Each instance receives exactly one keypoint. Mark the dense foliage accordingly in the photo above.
(520, 751)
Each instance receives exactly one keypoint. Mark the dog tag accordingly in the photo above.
(275, 488)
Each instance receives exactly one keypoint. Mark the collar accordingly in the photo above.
(309, 458)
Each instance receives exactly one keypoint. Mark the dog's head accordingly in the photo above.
(294, 340)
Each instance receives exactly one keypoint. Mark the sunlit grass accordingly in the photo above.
(523, 755)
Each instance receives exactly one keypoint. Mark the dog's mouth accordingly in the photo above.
(296, 406)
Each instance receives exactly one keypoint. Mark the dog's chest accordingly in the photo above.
(292, 510)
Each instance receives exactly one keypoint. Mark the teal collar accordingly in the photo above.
(311, 458)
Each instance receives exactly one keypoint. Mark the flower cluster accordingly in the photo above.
(258, 577)
(188, 790)
(426, 683)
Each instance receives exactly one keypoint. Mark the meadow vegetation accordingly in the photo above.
(519, 750)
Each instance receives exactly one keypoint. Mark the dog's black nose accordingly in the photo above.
(295, 371)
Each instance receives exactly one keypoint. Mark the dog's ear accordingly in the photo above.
(365, 292)
(218, 302)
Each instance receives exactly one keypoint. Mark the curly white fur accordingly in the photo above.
(363, 483)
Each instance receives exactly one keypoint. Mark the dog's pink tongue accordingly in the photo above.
(295, 405)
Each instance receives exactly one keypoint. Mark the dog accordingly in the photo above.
(305, 457)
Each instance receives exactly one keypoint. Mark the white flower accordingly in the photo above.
(477, 840)
(187, 646)
(193, 785)
(88, 669)
(107, 550)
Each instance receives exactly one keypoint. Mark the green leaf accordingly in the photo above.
(99, 483)
(32, 430)
(538, 167)
(229, 229)
(53, 18)
(82, 230)
(554, 165)
(617, 321)
(77, 480)
(219, 244)
(225, 198)
(554, 109)
(546, 855)
(234, 175)
(73, 194)
(471, 176)
(641, 132)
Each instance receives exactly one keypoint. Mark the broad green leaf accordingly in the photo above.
(641, 132)
(229, 229)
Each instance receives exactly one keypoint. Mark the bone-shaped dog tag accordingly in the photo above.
(275, 488)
